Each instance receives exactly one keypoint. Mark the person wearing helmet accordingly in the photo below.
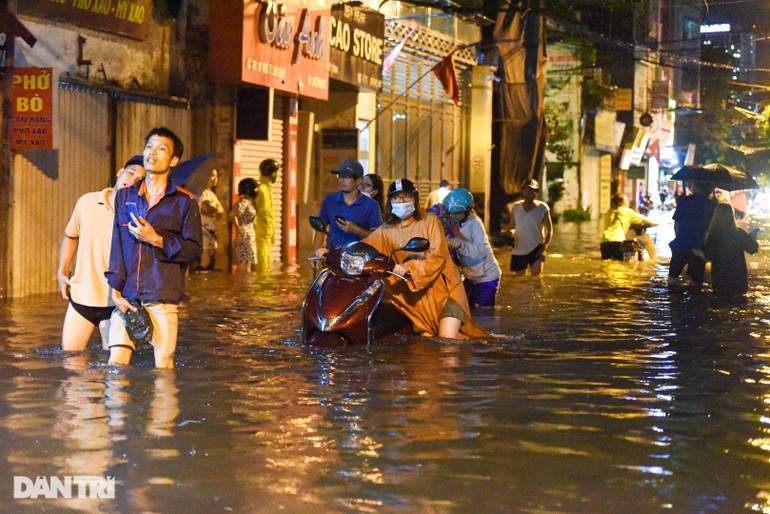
(468, 241)
(432, 296)
(532, 229)
(243, 214)
(265, 224)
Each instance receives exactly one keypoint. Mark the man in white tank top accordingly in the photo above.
(532, 229)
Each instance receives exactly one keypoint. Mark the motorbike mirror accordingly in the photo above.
(318, 224)
(417, 244)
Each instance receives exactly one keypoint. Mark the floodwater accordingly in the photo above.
(608, 394)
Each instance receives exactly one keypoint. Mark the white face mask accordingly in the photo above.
(403, 210)
(366, 194)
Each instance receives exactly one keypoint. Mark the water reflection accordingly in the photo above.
(609, 395)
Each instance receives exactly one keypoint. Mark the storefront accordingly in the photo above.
(341, 126)
(96, 130)
(274, 54)
(74, 128)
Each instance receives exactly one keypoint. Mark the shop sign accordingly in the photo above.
(636, 172)
(604, 130)
(605, 182)
(357, 42)
(659, 94)
(32, 109)
(624, 99)
(286, 47)
(130, 18)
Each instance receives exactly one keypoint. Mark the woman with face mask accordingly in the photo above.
(372, 186)
(432, 297)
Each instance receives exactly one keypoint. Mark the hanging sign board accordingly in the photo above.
(284, 46)
(604, 130)
(130, 18)
(356, 41)
(32, 109)
(624, 99)
(659, 94)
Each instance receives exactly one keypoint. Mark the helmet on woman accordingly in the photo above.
(401, 185)
(458, 200)
(248, 187)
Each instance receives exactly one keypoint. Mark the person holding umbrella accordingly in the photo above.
(725, 247)
(691, 220)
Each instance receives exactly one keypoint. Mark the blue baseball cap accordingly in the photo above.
(135, 160)
(350, 168)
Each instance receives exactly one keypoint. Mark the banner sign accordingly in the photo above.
(604, 130)
(605, 182)
(32, 109)
(286, 47)
(624, 99)
(357, 41)
(130, 18)
(659, 94)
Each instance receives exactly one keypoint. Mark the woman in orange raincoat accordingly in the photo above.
(433, 296)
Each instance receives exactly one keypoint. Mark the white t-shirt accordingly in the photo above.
(529, 227)
(437, 196)
(91, 222)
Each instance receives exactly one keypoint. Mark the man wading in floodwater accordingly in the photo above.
(157, 233)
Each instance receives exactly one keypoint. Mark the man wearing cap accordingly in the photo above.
(532, 229)
(87, 240)
(349, 215)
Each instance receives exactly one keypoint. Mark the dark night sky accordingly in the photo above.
(747, 14)
(743, 12)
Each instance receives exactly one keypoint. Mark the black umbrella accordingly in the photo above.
(718, 175)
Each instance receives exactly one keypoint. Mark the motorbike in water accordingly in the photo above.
(345, 304)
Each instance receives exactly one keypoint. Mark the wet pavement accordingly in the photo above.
(607, 394)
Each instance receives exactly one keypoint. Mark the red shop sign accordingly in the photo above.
(32, 109)
(280, 45)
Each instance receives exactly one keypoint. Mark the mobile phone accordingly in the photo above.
(340, 218)
(132, 209)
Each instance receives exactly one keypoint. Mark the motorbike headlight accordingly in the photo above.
(353, 264)
(354, 257)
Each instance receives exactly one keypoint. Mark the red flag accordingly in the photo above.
(445, 73)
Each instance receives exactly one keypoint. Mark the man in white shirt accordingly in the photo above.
(87, 239)
(437, 195)
(532, 229)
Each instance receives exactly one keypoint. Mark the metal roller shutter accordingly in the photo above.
(47, 183)
(254, 152)
(423, 135)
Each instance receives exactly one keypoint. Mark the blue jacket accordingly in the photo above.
(693, 216)
(141, 271)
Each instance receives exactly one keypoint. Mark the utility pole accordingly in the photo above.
(12, 28)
